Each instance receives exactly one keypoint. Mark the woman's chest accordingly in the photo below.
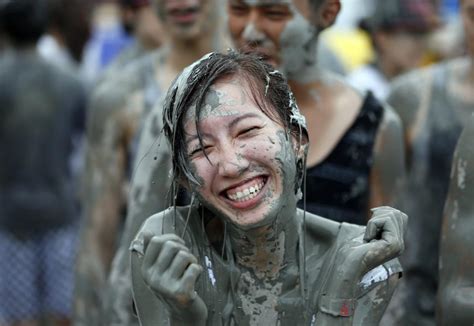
(240, 298)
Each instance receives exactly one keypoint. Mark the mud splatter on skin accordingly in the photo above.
(155, 175)
(456, 255)
(284, 159)
(115, 110)
(260, 248)
(433, 115)
(268, 251)
(259, 300)
(214, 102)
(298, 43)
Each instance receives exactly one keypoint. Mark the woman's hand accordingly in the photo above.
(383, 241)
(170, 270)
(384, 237)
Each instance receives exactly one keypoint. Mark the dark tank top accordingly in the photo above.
(338, 188)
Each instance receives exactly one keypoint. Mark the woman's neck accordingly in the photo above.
(265, 250)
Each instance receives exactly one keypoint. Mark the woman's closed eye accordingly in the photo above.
(249, 131)
(200, 150)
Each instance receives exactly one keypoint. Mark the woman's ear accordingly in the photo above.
(327, 13)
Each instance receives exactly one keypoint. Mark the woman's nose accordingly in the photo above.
(232, 164)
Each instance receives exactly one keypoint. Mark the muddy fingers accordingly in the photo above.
(170, 270)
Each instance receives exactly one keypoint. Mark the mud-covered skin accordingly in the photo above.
(274, 271)
(259, 148)
(149, 193)
(219, 275)
(456, 288)
(118, 109)
(433, 103)
(151, 189)
(115, 113)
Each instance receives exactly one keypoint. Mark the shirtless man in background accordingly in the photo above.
(456, 280)
(355, 154)
(434, 104)
(139, 20)
(117, 110)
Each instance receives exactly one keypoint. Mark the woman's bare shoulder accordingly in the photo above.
(324, 229)
(169, 220)
(318, 226)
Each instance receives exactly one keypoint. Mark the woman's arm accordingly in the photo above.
(341, 300)
(372, 305)
(368, 309)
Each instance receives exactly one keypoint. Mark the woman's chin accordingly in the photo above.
(253, 222)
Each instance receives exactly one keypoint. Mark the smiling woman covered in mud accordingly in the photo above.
(242, 253)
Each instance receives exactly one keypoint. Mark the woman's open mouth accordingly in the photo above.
(247, 194)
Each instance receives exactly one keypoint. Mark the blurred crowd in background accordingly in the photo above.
(77, 81)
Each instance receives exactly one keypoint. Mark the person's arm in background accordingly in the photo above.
(388, 168)
(102, 198)
(456, 291)
(150, 193)
(409, 97)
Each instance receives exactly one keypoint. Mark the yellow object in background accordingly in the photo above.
(353, 47)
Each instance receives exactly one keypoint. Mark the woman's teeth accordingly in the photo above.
(247, 193)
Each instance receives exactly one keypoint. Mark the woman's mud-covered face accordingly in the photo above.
(249, 173)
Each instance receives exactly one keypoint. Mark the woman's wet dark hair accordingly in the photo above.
(268, 88)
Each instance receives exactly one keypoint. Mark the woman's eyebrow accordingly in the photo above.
(230, 125)
(194, 137)
(236, 120)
